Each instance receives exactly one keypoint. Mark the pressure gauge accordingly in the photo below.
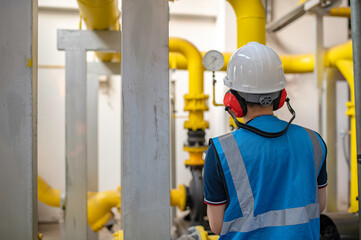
(213, 60)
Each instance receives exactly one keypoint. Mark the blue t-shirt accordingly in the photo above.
(214, 188)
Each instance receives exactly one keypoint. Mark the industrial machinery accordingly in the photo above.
(251, 26)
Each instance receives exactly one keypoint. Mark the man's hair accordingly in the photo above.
(251, 104)
(258, 105)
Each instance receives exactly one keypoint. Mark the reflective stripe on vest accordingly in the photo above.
(249, 222)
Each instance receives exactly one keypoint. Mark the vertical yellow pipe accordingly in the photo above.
(195, 100)
(251, 21)
(346, 68)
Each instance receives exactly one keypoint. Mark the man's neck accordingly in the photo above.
(253, 112)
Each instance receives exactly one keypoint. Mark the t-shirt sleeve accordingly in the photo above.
(213, 187)
(322, 175)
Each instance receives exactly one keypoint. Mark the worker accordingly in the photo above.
(266, 180)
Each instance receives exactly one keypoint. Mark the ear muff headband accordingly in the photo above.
(235, 102)
(280, 101)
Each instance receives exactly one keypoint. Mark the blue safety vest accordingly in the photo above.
(271, 183)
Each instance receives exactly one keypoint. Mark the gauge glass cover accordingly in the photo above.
(213, 60)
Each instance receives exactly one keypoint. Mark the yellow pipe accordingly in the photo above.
(251, 21)
(99, 204)
(346, 68)
(303, 63)
(178, 197)
(298, 63)
(47, 194)
(342, 51)
(302, 2)
(341, 12)
(99, 208)
(195, 100)
(177, 61)
(118, 235)
(214, 97)
(335, 12)
(100, 15)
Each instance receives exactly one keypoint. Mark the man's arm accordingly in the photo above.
(215, 217)
(322, 194)
(214, 191)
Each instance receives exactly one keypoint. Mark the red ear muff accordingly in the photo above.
(235, 103)
(278, 102)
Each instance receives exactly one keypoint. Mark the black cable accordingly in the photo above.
(260, 132)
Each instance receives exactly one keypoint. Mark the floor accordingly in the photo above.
(52, 231)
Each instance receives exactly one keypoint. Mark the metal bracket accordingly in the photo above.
(296, 13)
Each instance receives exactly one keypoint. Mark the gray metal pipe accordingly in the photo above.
(356, 45)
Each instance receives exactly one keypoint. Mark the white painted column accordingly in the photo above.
(18, 119)
(145, 115)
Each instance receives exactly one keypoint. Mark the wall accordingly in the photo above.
(208, 24)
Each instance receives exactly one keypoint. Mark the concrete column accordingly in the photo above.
(76, 43)
(356, 45)
(18, 119)
(145, 120)
(92, 137)
(76, 145)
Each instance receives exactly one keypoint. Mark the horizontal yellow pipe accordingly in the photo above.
(335, 12)
(298, 63)
(47, 194)
(178, 197)
(177, 61)
(291, 63)
(341, 12)
(99, 14)
(303, 63)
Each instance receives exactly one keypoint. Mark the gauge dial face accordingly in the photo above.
(213, 60)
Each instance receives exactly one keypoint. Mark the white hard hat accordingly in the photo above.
(255, 69)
